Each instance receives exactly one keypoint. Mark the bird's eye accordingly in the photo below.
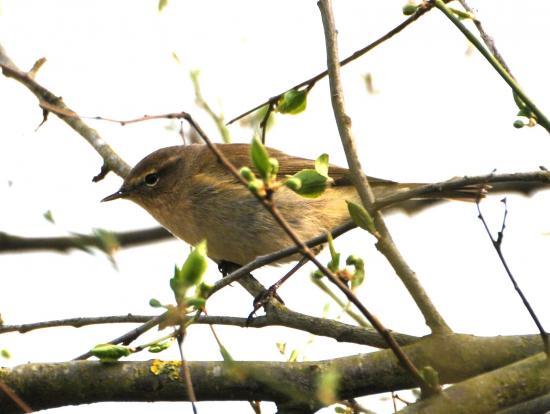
(151, 179)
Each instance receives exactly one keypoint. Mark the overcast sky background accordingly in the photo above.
(440, 111)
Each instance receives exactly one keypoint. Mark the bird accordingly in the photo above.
(195, 197)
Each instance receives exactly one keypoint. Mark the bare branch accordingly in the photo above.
(10, 243)
(363, 188)
(47, 99)
(497, 244)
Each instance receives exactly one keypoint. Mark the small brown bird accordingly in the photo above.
(189, 192)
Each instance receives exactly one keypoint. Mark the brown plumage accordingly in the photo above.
(194, 196)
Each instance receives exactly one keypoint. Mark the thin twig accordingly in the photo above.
(497, 244)
(201, 102)
(495, 63)
(488, 40)
(110, 158)
(309, 83)
(131, 335)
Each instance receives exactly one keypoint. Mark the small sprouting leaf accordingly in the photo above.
(160, 346)
(312, 185)
(328, 384)
(431, 376)
(359, 274)
(518, 123)
(197, 303)
(409, 9)
(107, 241)
(257, 187)
(226, 355)
(292, 102)
(461, 14)
(274, 163)
(4, 353)
(260, 158)
(155, 303)
(362, 218)
(247, 174)
(293, 183)
(190, 274)
(162, 5)
(49, 216)
(321, 165)
(334, 263)
(110, 352)
(281, 347)
(203, 290)
(293, 356)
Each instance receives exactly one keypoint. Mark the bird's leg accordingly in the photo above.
(263, 298)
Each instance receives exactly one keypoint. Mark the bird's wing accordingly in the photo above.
(239, 155)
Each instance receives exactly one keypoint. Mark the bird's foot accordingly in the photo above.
(263, 299)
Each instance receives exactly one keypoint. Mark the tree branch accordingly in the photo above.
(110, 159)
(385, 243)
(455, 357)
(10, 243)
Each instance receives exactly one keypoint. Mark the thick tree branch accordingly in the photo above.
(455, 357)
(493, 391)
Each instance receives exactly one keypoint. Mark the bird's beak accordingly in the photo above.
(119, 194)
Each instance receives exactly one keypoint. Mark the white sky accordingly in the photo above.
(440, 112)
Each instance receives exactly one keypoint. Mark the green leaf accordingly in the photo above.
(518, 123)
(321, 165)
(49, 216)
(312, 185)
(197, 303)
(4, 353)
(110, 352)
(409, 9)
(431, 376)
(162, 5)
(226, 355)
(292, 102)
(334, 263)
(107, 241)
(155, 303)
(359, 273)
(160, 346)
(203, 290)
(328, 384)
(293, 183)
(260, 158)
(247, 174)
(362, 218)
(190, 274)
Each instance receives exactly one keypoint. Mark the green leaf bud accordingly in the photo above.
(247, 174)
(292, 102)
(321, 165)
(155, 303)
(518, 123)
(362, 218)
(260, 158)
(409, 9)
(110, 352)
